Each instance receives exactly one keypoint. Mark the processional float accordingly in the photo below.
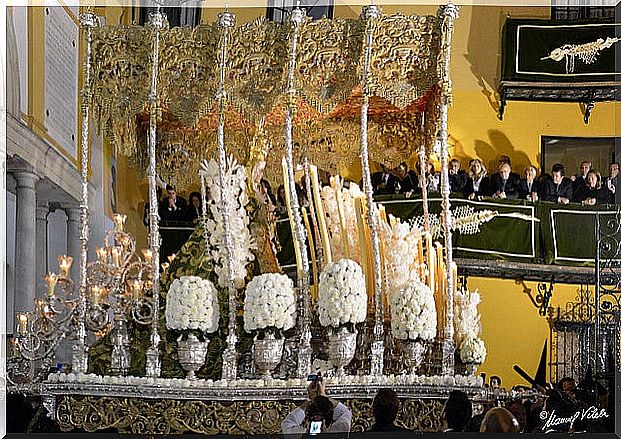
(260, 86)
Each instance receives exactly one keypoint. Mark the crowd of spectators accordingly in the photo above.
(552, 410)
(587, 186)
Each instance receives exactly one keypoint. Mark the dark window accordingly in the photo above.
(279, 10)
(180, 16)
(570, 13)
(571, 151)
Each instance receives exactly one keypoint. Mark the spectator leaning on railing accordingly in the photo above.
(559, 189)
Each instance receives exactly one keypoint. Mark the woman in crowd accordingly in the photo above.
(478, 181)
(194, 207)
(593, 192)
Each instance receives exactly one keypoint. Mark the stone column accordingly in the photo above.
(25, 241)
(41, 230)
(73, 240)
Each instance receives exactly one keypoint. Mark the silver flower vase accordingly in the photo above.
(341, 348)
(267, 353)
(413, 354)
(192, 353)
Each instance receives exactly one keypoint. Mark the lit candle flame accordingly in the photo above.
(148, 255)
(65, 262)
(102, 254)
(115, 257)
(51, 279)
(22, 323)
(119, 221)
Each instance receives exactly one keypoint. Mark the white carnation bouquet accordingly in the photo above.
(270, 303)
(467, 323)
(192, 305)
(472, 350)
(400, 241)
(342, 294)
(413, 312)
(328, 196)
(237, 197)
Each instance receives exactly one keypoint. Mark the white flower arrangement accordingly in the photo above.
(467, 318)
(342, 294)
(192, 304)
(413, 312)
(468, 326)
(270, 303)
(242, 241)
(472, 350)
(400, 243)
(328, 196)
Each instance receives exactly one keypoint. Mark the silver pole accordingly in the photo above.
(226, 20)
(304, 350)
(88, 21)
(447, 14)
(370, 14)
(422, 160)
(153, 364)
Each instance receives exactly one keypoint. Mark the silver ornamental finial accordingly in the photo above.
(450, 10)
(371, 12)
(88, 19)
(158, 19)
(297, 16)
(226, 19)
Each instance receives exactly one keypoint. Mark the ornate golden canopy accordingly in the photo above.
(403, 82)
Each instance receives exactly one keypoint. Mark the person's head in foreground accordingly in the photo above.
(499, 420)
(457, 411)
(385, 408)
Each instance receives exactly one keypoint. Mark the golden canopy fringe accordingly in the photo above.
(403, 81)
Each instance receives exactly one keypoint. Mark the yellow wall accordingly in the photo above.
(513, 330)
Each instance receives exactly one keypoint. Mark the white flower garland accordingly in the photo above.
(192, 303)
(472, 350)
(242, 240)
(328, 196)
(413, 310)
(400, 243)
(179, 384)
(270, 302)
(342, 294)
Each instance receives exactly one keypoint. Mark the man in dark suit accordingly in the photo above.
(580, 179)
(504, 184)
(559, 189)
(384, 183)
(457, 177)
(173, 207)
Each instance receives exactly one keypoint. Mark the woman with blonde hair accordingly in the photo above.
(477, 184)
